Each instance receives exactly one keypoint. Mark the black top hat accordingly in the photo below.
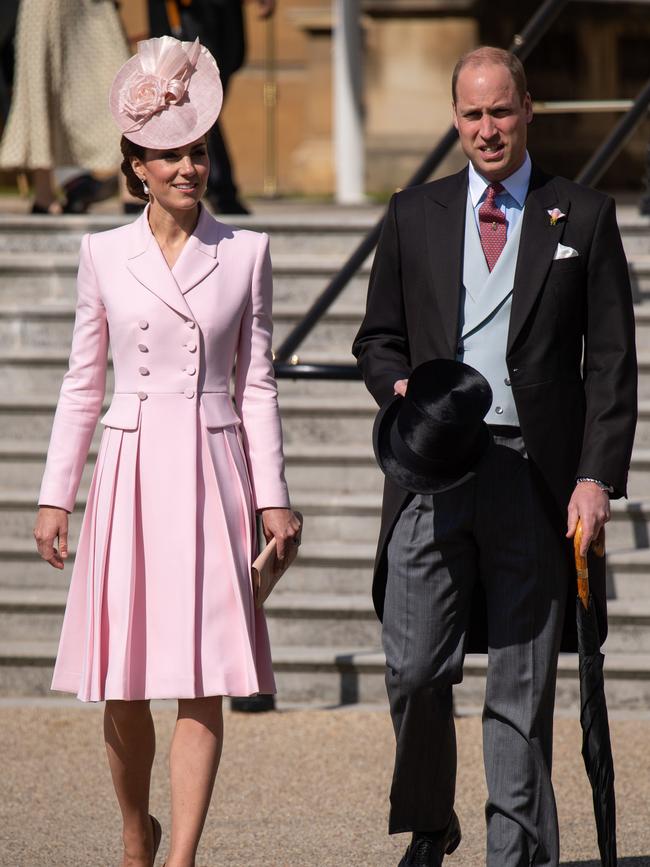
(431, 439)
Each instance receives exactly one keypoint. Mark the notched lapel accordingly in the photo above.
(539, 240)
(445, 228)
(147, 264)
(198, 258)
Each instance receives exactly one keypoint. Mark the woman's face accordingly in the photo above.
(176, 178)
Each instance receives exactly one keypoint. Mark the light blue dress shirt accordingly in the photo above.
(511, 202)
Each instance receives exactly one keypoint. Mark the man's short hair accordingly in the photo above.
(486, 55)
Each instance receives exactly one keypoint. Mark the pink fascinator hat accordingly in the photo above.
(168, 94)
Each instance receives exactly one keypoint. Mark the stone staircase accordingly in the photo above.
(325, 636)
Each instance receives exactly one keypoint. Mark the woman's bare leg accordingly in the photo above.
(193, 761)
(44, 190)
(131, 746)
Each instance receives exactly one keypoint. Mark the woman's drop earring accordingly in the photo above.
(145, 188)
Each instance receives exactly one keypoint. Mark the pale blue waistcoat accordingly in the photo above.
(485, 316)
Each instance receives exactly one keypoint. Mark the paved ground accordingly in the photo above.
(296, 789)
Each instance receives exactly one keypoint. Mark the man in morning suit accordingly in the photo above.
(523, 277)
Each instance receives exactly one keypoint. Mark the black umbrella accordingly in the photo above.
(596, 745)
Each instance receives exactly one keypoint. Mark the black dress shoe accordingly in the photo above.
(428, 849)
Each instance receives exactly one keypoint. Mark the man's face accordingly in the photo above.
(491, 120)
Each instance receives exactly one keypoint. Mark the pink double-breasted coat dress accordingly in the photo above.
(160, 603)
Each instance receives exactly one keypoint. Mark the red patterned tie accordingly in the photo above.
(492, 224)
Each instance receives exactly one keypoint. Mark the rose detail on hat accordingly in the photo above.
(144, 95)
(556, 215)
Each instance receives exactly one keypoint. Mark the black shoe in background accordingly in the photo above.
(84, 190)
(231, 205)
(133, 207)
(253, 704)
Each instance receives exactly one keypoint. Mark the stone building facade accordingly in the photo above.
(594, 50)
(278, 115)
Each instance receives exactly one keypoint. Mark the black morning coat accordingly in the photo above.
(577, 417)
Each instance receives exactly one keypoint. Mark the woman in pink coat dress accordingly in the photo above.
(160, 603)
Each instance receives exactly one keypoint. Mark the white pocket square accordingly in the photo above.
(563, 252)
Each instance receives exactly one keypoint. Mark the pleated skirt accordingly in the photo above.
(160, 602)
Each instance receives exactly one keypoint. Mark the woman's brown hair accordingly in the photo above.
(133, 182)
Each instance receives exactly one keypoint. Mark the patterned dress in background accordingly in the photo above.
(67, 52)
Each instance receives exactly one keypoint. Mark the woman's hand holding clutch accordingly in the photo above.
(52, 523)
(284, 526)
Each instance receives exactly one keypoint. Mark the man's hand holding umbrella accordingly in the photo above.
(589, 504)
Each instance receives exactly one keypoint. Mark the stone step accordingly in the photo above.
(331, 568)
(311, 228)
(22, 454)
(336, 566)
(628, 575)
(333, 518)
(298, 619)
(639, 267)
(30, 372)
(338, 467)
(642, 321)
(635, 231)
(25, 425)
(50, 278)
(329, 230)
(309, 619)
(30, 327)
(305, 419)
(35, 341)
(333, 676)
(323, 467)
(299, 276)
(639, 477)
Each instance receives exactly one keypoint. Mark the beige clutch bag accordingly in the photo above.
(267, 569)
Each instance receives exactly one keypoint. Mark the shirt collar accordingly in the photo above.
(516, 185)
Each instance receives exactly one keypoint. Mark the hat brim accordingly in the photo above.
(408, 480)
(178, 124)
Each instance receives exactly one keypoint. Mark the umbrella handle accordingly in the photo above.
(581, 567)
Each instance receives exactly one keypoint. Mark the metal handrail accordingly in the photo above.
(522, 45)
(589, 175)
(316, 371)
(581, 106)
(601, 160)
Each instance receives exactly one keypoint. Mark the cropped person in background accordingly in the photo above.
(67, 52)
(7, 33)
(219, 25)
(161, 599)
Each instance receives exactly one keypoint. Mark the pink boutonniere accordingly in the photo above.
(555, 215)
